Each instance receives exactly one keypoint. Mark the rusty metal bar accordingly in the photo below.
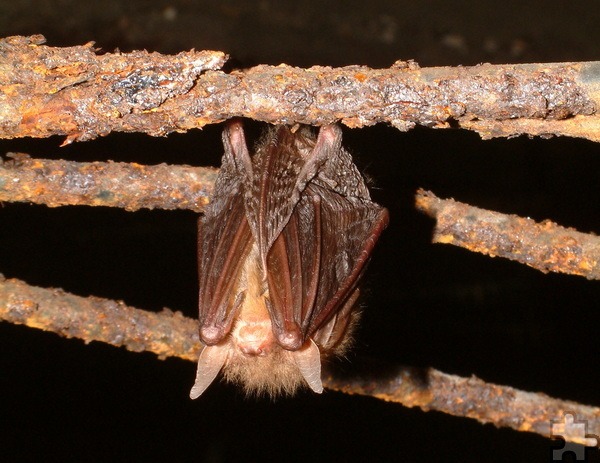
(544, 246)
(169, 334)
(430, 389)
(114, 184)
(74, 92)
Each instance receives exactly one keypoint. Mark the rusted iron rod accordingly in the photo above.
(430, 389)
(75, 92)
(114, 184)
(544, 246)
(169, 334)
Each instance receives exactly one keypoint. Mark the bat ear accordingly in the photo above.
(212, 359)
(236, 147)
(308, 360)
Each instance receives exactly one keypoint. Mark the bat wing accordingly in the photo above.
(315, 262)
(223, 245)
(353, 226)
(272, 193)
(224, 239)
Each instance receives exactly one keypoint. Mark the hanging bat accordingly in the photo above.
(281, 249)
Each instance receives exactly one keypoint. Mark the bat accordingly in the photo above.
(281, 249)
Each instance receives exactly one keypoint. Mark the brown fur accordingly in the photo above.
(274, 375)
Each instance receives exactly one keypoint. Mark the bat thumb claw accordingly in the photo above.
(212, 359)
(308, 360)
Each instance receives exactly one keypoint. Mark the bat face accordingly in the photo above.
(281, 249)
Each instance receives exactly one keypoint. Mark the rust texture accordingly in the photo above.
(114, 184)
(576, 126)
(94, 319)
(170, 334)
(471, 397)
(75, 92)
(544, 246)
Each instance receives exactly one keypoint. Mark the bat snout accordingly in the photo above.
(254, 350)
(255, 339)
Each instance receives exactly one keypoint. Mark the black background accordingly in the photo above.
(426, 305)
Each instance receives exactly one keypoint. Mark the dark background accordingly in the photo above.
(426, 305)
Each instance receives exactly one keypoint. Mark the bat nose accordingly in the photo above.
(255, 339)
(254, 350)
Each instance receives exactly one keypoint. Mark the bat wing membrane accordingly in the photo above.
(319, 234)
(272, 193)
(224, 244)
(353, 227)
(315, 263)
(293, 272)
(224, 240)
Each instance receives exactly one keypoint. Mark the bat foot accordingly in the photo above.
(211, 335)
(290, 340)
